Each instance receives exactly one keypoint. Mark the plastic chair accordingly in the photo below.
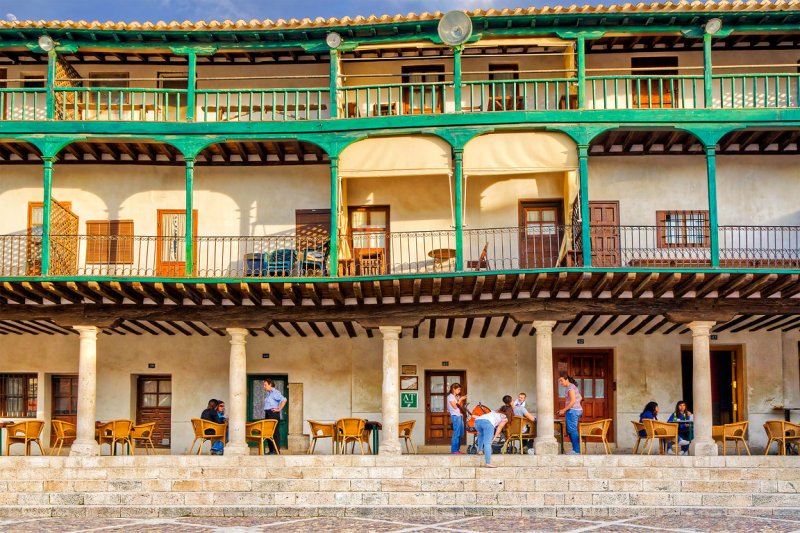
(514, 432)
(321, 430)
(350, 430)
(594, 431)
(405, 430)
(664, 432)
(114, 432)
(25, 433)
(638, 427)
(63, 431)
(280, 262)
(206, 431)
(734, 432)
(144, 432)
(781, 432)
(261, 431)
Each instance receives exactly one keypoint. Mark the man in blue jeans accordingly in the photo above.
(455, 402)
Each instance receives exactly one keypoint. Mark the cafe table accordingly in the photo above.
(374, 428)
(689, 423)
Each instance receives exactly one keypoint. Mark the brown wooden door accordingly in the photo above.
(652, 90)
(727, 384)
(604, 230)
(419, 98)
(540, 234)
(171, 243)
(65, 402)
(369, 239)
(437, 418)
(593, 370)
(154, 404)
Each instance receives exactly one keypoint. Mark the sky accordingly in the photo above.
(168, 10)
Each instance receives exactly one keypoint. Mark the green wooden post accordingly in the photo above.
(586, 237)
(457, 77)
(46, 213)
(191, 87)
(713, 222)
(51, 84)
(458, 174)
(334, 86)
(707, 79)
(333, 268)
(580, 64)
(189, 217)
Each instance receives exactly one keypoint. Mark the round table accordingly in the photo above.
(440, 255)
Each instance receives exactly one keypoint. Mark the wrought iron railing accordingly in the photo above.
(395, 99)
(537, 246)
(519, 95)
(644, 92)
(372, 253)
(759, 246)
(261, 257)
(263, 105)
(20, 255)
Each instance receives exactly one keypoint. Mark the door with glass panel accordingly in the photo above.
(171, 243)
(593, 370)
(255, 401)
(154, 404)
(65, 402)
(438, 429)
(369, 234)
(540, 234)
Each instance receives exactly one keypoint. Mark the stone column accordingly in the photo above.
(298, 441)
(390, 443)
(703, 443)
(237, 377)
(545, 442)
(85, 443)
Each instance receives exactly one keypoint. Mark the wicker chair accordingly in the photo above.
(261, 431)
(350, 430)
(733, 432)
(781, 432)
(205, 431)
(594, 431)
(664, 432)
(63, 431)
(515, 432)
(321, 430)
(638, 427)
(405, 430)
(144, 433)
(116, 432)
(25, 433)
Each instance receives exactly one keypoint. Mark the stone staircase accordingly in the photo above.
(386, 487)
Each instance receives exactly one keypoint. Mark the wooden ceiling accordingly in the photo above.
(630, 142)
(678, 43)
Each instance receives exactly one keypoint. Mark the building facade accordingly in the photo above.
(604, 191)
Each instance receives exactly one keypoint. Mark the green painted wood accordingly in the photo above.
(189, 237)
(47, 186)
(583, 171)
(707, 71)
(191, 85)
(458, 176)
(713, 220)
(334, 83)
(457, 76)
(51, 83)
(333, 268)
(581, 66)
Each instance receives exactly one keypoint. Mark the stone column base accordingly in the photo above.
(546, 446)
(701, 448)
(298, 444)
(84, 449)
(391, 447)
(233, 449)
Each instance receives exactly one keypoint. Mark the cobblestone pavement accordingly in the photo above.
(642, 524)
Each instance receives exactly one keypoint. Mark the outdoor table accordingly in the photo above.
(689, 423)
(2, 426)
(560, 436)
(374, 428)
(787, 413)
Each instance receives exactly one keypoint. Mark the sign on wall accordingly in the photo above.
(408, 400)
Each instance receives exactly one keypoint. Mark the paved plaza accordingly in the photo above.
(638, 524)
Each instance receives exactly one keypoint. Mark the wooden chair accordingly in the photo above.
(63, 431)
(638, 427)
(482, 263)
(405, 430)
(365, 439)
(781, 432)
(515, 431)
(116, 432)
(144, 433)
(734, 432)
(25, 433)
(664, 432)
(594, 432)
(215, 433)
(321, 430)
(262, 431)
(350, 430)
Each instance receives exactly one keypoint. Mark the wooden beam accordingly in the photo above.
(665, 284)
(573, 323)
(657, 327)
(622, 284)
(168, 292)
(734, 285)
(582, 281)
(416, 289)
(638, 327)
(605, 324)
(249, 292)
(558, 283)
(624, 324)
(190, 293)
(687, 285)
(478, 288)
(711, 285)
(757, 285)
(644, 284)
(266, 289)
(41, 292)
(147, 292)
(208, 293)
(468, 327)
(601, 284)
(336, 293)
(588, 325)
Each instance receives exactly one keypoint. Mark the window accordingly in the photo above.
(18, 395)
(109, 242)
(33, 81)
(505, 96)
(65, 396)
(682, 229)
(112, 80)
(654, 86)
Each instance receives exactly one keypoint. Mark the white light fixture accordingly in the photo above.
(713, 26)
(455, 28)
(46, 43)
(334, 40)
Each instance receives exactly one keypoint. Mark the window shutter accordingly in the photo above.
(121, 249)
(109, 242)
(96, 241)
(661, 224)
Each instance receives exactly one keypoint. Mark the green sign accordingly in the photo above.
(408, 400)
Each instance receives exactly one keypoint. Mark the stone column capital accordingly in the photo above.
(701, 327)
(86, 332)
(544, 327)
(238, 336)
(390, 332)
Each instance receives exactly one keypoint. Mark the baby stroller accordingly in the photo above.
(479, 410)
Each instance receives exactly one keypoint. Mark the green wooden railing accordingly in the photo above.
(395, 99)
(23, 104)
(519, 95)
(644, 92)
(120, 104)
(263, 105)
(779, 90)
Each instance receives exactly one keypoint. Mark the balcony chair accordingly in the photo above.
(663, 431)
(782, 432)
(321, 430)
(205, 431)
(638, 427)
(314, 260)
(482, 263)
(515, 432)
(594, 432)
(63, 432)
(116, 432)
(405, 429)
(280, 262)
(350, 430)
(262, 431)
(735, 432)
(144, 433)
(25, 433)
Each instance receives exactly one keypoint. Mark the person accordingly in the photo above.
(520, 410)
(274, 402)
(218, 447)
(210, 412)
(650, 412)
(455, 402)
(521, 399)
(489, 427)
(572, 411)
(680, 414)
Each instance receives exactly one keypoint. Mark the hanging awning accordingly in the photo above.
(410, 155)
(530, 152)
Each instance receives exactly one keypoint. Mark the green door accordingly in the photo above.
(255, 401)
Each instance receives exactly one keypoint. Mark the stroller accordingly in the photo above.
(479, 410)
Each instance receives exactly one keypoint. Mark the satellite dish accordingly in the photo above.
(333, 39)
(713, 26)
(455, 28)
(46, 43)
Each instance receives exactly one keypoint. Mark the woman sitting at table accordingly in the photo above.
(684, 432)
(650, 413)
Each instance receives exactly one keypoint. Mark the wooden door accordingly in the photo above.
(593, 370)
(255, 401)
(170, 243)
(437, 418)
(65, 401)
(154, 404)
(369, 239)
(418, 96)
(655, 85)
(540, 234)
(604, 231)
(727, 383)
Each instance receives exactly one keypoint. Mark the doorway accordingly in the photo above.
(604, 232)
(171, 242)
(255, 401)
(727, 382)
(65, 401)
(593, 369)
(173, 104)
(154, 404)
(437, 418)
(423, 89)
(540, 233)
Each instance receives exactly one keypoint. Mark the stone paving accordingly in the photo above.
(482, 524)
